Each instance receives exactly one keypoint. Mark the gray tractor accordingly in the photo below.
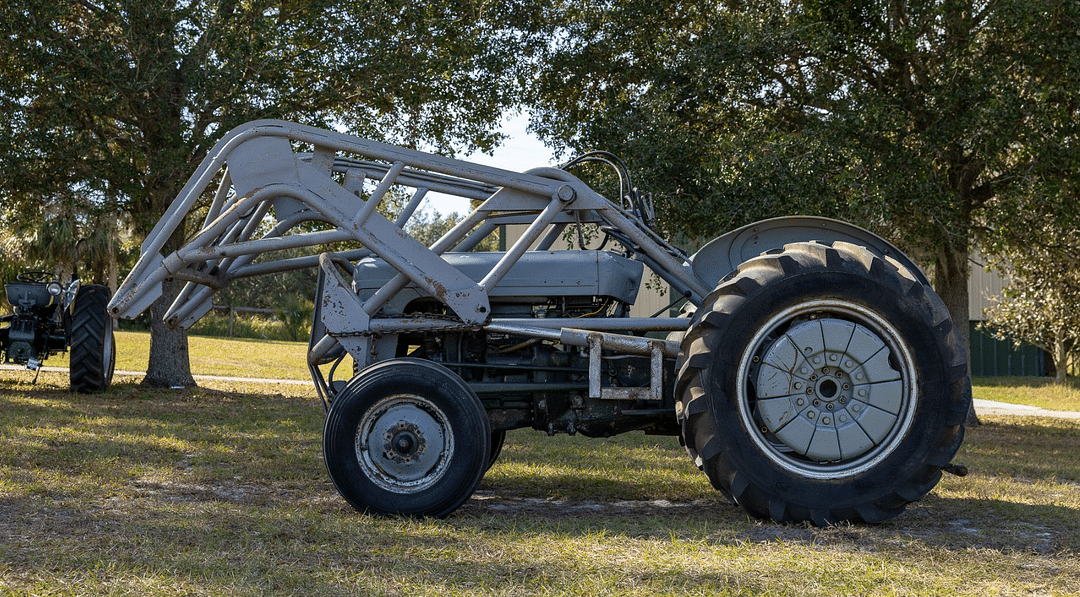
(49, 317)
(813, 374)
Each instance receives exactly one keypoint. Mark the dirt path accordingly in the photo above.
(989, 407)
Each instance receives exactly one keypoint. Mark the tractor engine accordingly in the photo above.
(526, 381)
(33, 331)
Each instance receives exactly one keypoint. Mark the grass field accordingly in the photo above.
(230, 357)
(220, 490)
(273, 359)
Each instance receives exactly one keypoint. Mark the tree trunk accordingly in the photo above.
(113, 275)
(1061, 359)
(169, 366)
(951, 283)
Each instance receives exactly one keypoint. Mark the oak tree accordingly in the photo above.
(911, 117)
(109, 105)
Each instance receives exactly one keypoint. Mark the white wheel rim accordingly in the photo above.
(827, 389)
(404, 444)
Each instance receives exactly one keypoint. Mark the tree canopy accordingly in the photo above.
(110, 104)
(922, 120)
(932, 122)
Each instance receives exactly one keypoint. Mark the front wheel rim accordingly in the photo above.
(827, 389)
(404, 444)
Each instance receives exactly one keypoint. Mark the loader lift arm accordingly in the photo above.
(297, 174)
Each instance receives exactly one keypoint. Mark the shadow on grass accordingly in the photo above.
(224, 491)
(992, 524)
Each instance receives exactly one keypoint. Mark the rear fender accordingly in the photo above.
(723, 254)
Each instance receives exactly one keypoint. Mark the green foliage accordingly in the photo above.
(916, 119)
(109, 106)
(94, 114)
(249, 325)
(1041, 304)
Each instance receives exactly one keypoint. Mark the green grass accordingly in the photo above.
(220, 490)
(275, 359)
(1043, 392)
(230, 357)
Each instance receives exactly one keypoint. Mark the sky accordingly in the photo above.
(520, 151)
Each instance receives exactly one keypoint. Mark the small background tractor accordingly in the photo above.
(50, 317)
(813, 375)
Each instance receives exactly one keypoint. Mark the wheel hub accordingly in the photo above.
(826, 389)
(404, 444)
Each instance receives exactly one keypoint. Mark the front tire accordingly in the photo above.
(92, 345)
(823, 384)
(407, 437)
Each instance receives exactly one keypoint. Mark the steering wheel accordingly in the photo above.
(38, 277)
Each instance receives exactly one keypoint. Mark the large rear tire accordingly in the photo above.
(406, 436)
(823, 383)
(92, 346)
